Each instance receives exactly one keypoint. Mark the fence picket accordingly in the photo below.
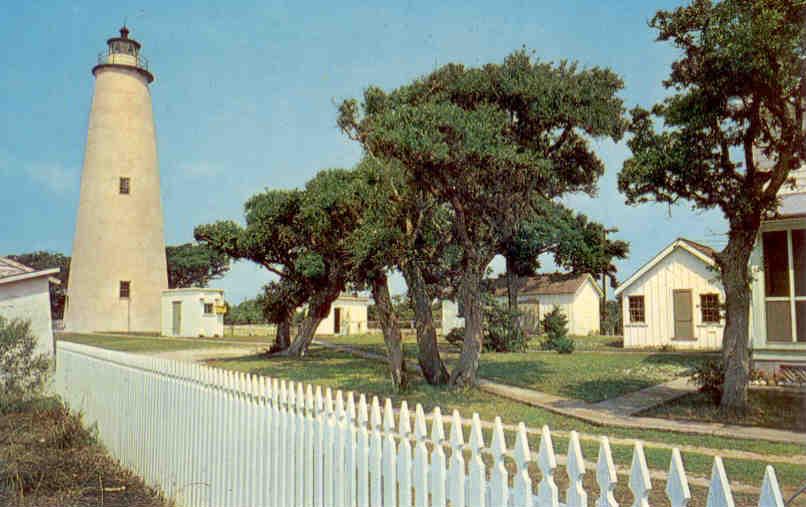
(476, 484)
(456, 469)
(522, 482)
(575, 495)
(639, 483)
(420, 459)
(499, 477)
(676, 484)
(547, 493)
(404, 457)
(606, 476)
(719, 494)
(389, 456)
(438, 476)
(362, 454)
(770, 492)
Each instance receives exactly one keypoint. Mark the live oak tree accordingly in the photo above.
(734, 130)
(274, 238)
(194, 265)
(485, 141)
(401, 228)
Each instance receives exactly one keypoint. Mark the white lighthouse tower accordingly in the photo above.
(118, 268)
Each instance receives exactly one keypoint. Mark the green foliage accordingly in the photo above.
(23, 373)
(555, 324)
(46, 260)
(248, 311)
(455, 336)
(611, 319)
(501, 330)
(194, 265)
(710, 377)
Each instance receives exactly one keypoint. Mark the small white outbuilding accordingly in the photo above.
(193, 312)
(576, 295)
(674, 299)
(25, 294)
(348, 315)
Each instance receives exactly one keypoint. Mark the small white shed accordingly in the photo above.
(348, 315)
(193, 312)
(576, 295)
(674, 299)
(25, 294)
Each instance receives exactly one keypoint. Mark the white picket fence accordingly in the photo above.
(210, 437)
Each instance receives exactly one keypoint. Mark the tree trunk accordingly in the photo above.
(733, 265)
(512, 287)
(318, 309)
(428, 357)
(283, 338)
(464, 374)
(391, 332)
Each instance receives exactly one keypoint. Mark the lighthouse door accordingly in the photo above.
(177, 318)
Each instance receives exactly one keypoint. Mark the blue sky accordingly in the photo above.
(245, 98)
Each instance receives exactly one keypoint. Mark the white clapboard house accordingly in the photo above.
(576, 295)
(674, 299)
(778, 268)
(25, 295)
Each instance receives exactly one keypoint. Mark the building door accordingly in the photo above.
(337, 321)
(683, 315)
(177, 318)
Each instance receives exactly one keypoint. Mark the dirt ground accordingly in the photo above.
(47, 459)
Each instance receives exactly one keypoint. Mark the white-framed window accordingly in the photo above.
(785, 285)
(208, 308)
(709, 308)
(636, 308)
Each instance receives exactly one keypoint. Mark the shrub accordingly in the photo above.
(456, 336)
(501, 330)
(709, 377)
(22, 372)
(555, 324)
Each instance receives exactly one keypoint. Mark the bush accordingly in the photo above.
(555, 324)
(709, 377)
(22, 373)
(501, 331)
(456, 336)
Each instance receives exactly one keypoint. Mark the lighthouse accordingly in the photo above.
(118, 268)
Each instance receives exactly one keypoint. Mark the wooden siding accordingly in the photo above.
(679, 270)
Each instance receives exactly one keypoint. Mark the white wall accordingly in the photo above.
(581, 308)
(30, 300)
(450, 316)
(353, 317)
(195, 322)
(679, 270)
(586, 310)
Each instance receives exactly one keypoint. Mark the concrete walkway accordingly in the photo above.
(617, 411)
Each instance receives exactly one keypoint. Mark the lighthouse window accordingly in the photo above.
(124, 185)
(125, 287)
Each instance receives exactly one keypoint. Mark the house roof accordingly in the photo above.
(705, 249)
(543, 284)
(12, 271)
(791, 206)
(704, 253)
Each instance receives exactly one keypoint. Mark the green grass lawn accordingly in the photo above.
(337, 370)
(590, 374)
(769, 408)
(130, 343)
